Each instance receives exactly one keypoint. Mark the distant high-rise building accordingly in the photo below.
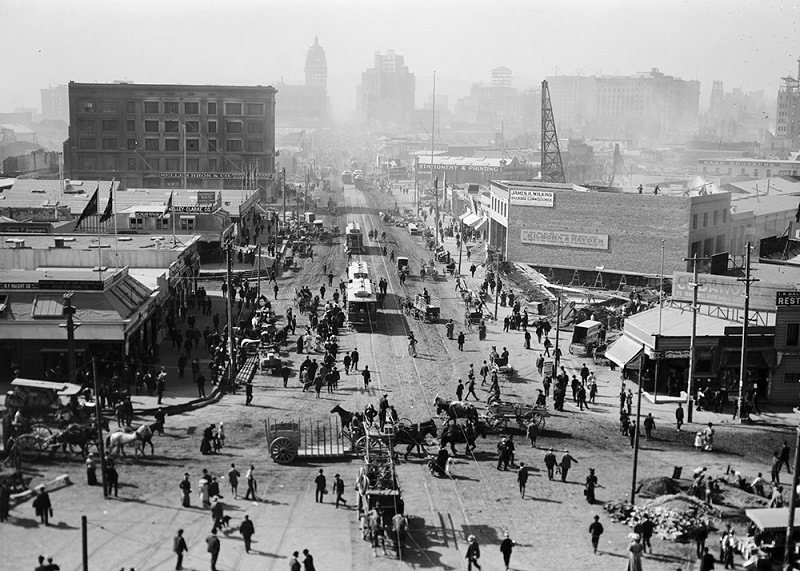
(717, 100)
(501, 77)
(316, 66)
(386, 92)
(788, 112)
(55, 103)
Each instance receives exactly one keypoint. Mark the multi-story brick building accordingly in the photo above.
(172, 136)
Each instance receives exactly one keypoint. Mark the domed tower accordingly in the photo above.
(316, 66)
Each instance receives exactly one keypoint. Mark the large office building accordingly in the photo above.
(787, 122)
(305, 106)
(55, 103)
(386, 92)
(172, 136)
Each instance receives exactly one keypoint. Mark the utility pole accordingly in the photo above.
(99, 429)
(637, 428)
(434, 183)
(556, 360)
(660, 308)
(743, 358)
(69, 311)
(787, 554)
(231, 340)
(692, 361)
(283, 187)
(496, 281)
(460, 245)
(84, 543)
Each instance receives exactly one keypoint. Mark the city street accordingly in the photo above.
(549, 525)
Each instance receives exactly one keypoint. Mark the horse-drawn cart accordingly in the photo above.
(427, 309)
(499, 413)
(290, 440)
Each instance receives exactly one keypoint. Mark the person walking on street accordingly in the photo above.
(233, 480)
(506, 547)
(186, 490)
(707, 560)
(473, 553)
(647, 533)
(460, 390)
(248, 393)
(522, 478)
(566, 463)
(776, 469)
(550, 463)
(354, 359)
(596, 530)
(42, 505)
(346, 361)
(471, 390)
(649, 425)
(321, 484)
(700, 536)
(247, 530)
(294, 563)
(275, 290)
(308, 561)
(179, 547)
(461, 339)
(338, 489)
(679, 416)
(786, 454)
(252, 485)
(367, 377)
(212, 541)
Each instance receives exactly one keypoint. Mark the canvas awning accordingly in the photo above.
(481, 226)
(623, 351)
(772, 518)
(476, 222)
(470, 219)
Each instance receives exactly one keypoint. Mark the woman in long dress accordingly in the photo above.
(635, 553)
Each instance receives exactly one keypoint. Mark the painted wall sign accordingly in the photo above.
(565, 239)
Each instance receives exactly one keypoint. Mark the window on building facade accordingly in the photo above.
(130, 107)
(233, 127)
(791, 378)
(173, 165)
(255, 146)
(769, 173)
(132, 164)
(755, 172)
(233, 109)
(87, 163)
(88, 143)
(130, 125)
(108, 107)
(694, 221)
(212, 108)
(212, 165)
(192, 127)
(110, 125)
(720, 243)
(171, 126)
(708, 247)
(744, 171)
(233, 165)
(87, 125)
(151, 145)
(233, 145)
(110, 144)
(151, 126)
(193, 165)
(255, 109)
(212, 144)
(231, 184)
(108, 162)
(705, 219)
(151, 106)
(192, 144)
(131, 144)
(163, 224)
(172, 145)
(190, 108)
(724, 215)
(695, 249)
(194, 183)
(187, 223)
(212, 126)
(792, 334)
(171, 107)
(136, 223)
(87, 107)
(716, 217)
(255, 127)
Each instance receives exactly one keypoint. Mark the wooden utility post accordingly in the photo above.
(743, 357)
(231, 338)
(97, 417)
(692, 361)
(637, 428)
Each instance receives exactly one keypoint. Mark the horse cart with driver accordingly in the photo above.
(500, 413)
(290, 440)
(427, 308)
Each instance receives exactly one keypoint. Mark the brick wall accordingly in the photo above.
(635, 225)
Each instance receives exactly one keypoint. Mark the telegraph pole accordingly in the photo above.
(556, 359)
(496, 282)
(460, 245)
(692, 361)
(69, 311)
(636, 428)
(99, 429)
(283, 187)
(743, 358)
(231, 340)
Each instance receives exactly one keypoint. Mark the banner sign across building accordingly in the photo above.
(201, 174)
(723, 291)
(565, 239)
(532, 198)
(462, 168)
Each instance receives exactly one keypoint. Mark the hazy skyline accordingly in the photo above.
(746, 43)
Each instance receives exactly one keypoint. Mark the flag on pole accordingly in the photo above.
(109, 211)
(89, 210)
(168, 209)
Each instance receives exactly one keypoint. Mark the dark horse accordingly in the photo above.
(458, 434)
(81, 435)
(455, 410)
(414, 436)
(350, 420)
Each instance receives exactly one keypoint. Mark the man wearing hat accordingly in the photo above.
(91, 474)
(566, 464)
(42, 505)
(550, 462)
(338, 488)
(506, 546)
(473, 553)
(383, 406)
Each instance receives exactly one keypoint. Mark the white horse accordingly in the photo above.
(119, 439)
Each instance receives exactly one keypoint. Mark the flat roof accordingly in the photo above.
(760, 205)
(677, 322)
(131, 84)
(89, 241)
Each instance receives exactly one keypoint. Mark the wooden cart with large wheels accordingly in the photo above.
(289, 440)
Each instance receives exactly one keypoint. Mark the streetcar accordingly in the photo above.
(359, 181)
(354, 239)
(347, 177)
(362, 303)
(358, 271)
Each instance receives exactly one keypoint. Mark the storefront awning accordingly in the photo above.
(471, 219)
(623, 351)
(772, 518)
(463, 216)
(480, 224)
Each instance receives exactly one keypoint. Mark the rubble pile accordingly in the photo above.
(676, 516)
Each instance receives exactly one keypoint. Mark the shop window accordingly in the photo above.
(136, 223)
(791, 378)
(162, 224)
(187, 223)
(792, 334)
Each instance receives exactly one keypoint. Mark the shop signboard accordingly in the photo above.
(206, 196)
(564, 239)
(521, 197)
(724, 291)
(787, 298)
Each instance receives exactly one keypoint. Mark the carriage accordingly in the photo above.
(426, 309)
(499, 413)
(402, 265)
(290, 440)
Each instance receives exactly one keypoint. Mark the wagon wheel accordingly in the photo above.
(537, 419)
(497, 422)
(283, 450)
(29, 445)
(41, 431)
(405, 423)
(365, 441)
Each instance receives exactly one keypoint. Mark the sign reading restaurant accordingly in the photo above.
(521, 197)
(784, 298)
(565, 239)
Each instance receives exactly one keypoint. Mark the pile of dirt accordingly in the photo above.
(655, 487)
(676, 516)
(734, 497)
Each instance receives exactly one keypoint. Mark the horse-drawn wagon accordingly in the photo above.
(427, 308)
(499, 413)
(290, 440)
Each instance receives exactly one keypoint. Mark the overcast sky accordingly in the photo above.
(746, 43)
